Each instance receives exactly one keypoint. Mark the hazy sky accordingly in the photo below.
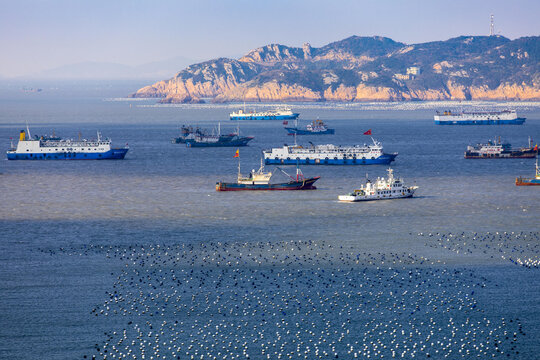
(42, 34)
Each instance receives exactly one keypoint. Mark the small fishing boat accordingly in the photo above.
(535, 181)
(260, 180)
(381, 189)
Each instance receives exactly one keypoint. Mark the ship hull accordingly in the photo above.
(113, 154)
(306, 184)
(518, 121)
(527, 182)
(293, 131)
(239, 142)
(525, 154)
(265, 117)
(384, 159)
(350, 198)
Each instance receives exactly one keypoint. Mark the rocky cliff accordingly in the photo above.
(365, 69)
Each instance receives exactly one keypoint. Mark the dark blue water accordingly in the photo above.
(141, 257)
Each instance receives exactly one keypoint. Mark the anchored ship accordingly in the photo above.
(504, 117)
(381, 189)
(497, 150)
(29, 148)
(535, 181)
(317, 127)
(196, 137)
(260, 180)
(282, 114)
(329, 155)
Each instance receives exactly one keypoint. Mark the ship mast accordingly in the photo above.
(239, 173)
(28, 130)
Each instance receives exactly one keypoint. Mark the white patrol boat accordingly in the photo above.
(381, 189)
(329, 155)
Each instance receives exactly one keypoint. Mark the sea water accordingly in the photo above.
(143, 258)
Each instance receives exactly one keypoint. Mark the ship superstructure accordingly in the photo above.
(64, 149)
(381, 189)
(279, 114)
(504, 117)
(329, 155)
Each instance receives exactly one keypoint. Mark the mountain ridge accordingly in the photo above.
(364, 69)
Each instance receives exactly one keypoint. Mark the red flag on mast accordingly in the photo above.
(237, 153)
(368, 132)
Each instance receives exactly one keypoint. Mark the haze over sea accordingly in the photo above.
(142, 258)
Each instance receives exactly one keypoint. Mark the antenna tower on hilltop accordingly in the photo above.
(491, 27)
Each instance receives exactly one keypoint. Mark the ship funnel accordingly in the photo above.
(22, 136)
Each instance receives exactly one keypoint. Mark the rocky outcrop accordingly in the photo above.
(364, 69)
(506, 92)
(269, 91)
(342, 93)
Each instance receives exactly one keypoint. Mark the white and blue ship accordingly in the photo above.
(29, 148)
(283, 114)
(329, 155)
(505, 117)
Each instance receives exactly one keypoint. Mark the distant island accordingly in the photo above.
(364, 69)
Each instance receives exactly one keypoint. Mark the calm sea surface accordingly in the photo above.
(142, 258)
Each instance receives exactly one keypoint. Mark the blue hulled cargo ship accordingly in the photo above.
(283, 114)
(64, 149)
(329, 155)
(505, 117)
